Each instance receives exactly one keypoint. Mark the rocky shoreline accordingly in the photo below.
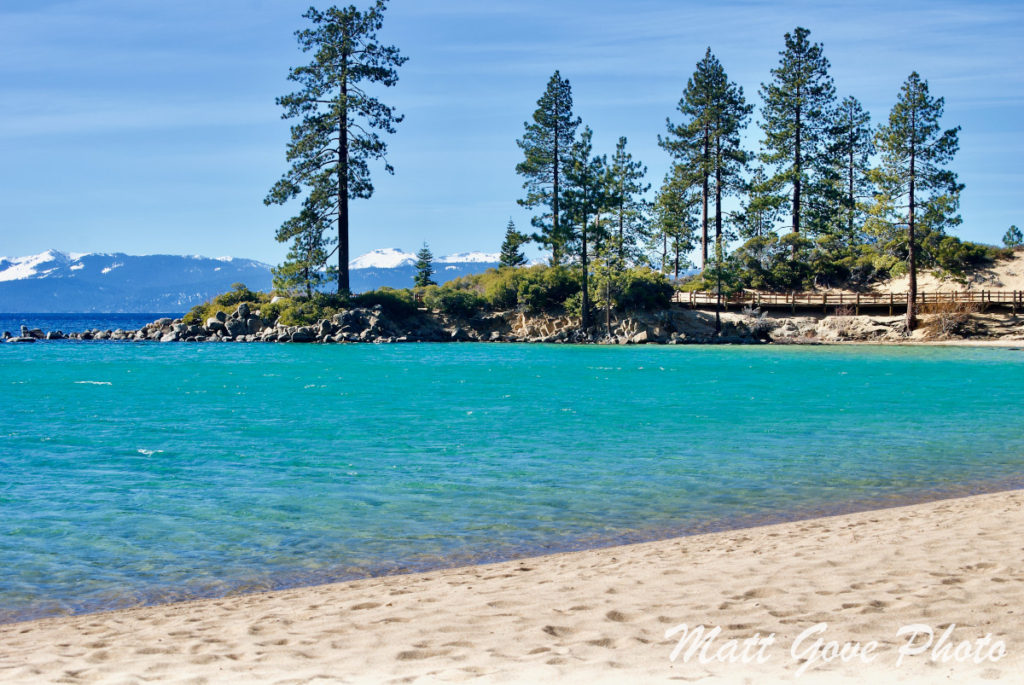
(678, 325)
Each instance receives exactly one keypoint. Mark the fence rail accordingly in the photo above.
(1013, 299)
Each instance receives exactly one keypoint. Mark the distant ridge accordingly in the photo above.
(66, 282)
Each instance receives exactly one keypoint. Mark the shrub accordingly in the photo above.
(399, 304)
(949, 319)
(641, 288)
(453, 301)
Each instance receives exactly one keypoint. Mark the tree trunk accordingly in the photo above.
(718, 198)
(912, 296)
(585, 316)
(622, 211)
(556, 256)
(343, 281)
(704, 203)
(851, 199)
(797, 173)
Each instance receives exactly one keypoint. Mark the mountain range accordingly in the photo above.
(55, 281)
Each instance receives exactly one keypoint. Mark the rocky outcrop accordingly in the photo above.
(671, 326)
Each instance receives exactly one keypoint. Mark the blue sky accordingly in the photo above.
(150, 127)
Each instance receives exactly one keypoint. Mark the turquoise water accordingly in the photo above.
(137, 473)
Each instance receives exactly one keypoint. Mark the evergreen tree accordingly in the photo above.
(511, 255)
(586, 182)
(1013, 237)
(795, 120)
(731, 113)
(763, 207)
(626, 188)
(916, 190)
(340, 124)
(424, 267)
(676, 224)
(707, 143)
(546, 144)
(304, 266)
(690, 142)
(851, 149)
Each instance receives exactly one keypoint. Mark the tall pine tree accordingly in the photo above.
(586, 179)
(917, 191)
(339, 123)
(546, 144)
(675, 216)
(796, 116)
(850, 151)
(625, 197)
(707, 142)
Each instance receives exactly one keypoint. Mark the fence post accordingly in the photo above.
(890, 303)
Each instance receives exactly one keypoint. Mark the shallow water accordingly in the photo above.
(137, 473)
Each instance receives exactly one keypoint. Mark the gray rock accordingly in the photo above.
(160, 323)
(215, 324)
(254, 325)
(24, 331)
(22, 339)
(169, 337)
(243, 311)
(303, 334)
(640, 338)
(221, 316)
(236, 327)
(54, 335)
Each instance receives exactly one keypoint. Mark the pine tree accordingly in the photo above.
(511, 255)
(916, 190)
(1013, 237)
(795, 119)
(340, 124)
(626, 188)
(850, 150)
(546, 144)
(676, 224)
(585, 179)
(731, 113)
(763, 207)
(424, 267)
(707, 143)
(304, 268)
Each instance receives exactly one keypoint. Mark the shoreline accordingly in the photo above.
(595, 615)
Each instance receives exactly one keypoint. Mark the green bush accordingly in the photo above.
(399, 304)
(641, 288)
(453, 301)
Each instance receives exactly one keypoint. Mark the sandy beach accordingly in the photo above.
(603, 615)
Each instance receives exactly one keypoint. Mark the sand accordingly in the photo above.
(1004, 274)
(595, 616)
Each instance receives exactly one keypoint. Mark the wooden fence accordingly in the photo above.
(1011, 299)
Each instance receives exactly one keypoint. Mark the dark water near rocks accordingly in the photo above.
(76, 323)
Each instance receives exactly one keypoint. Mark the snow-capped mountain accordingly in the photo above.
(383, 258)
(62, 282)
(396, 268)
(55, 281)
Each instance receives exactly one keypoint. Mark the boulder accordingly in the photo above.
(236, 327)
(254, 325)
(221, 316)
(22, 339)
(303, 334)
(160, 323)
(243, 311)
(169, 337)
(54, 335)
(640, 338)
(214, 324)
